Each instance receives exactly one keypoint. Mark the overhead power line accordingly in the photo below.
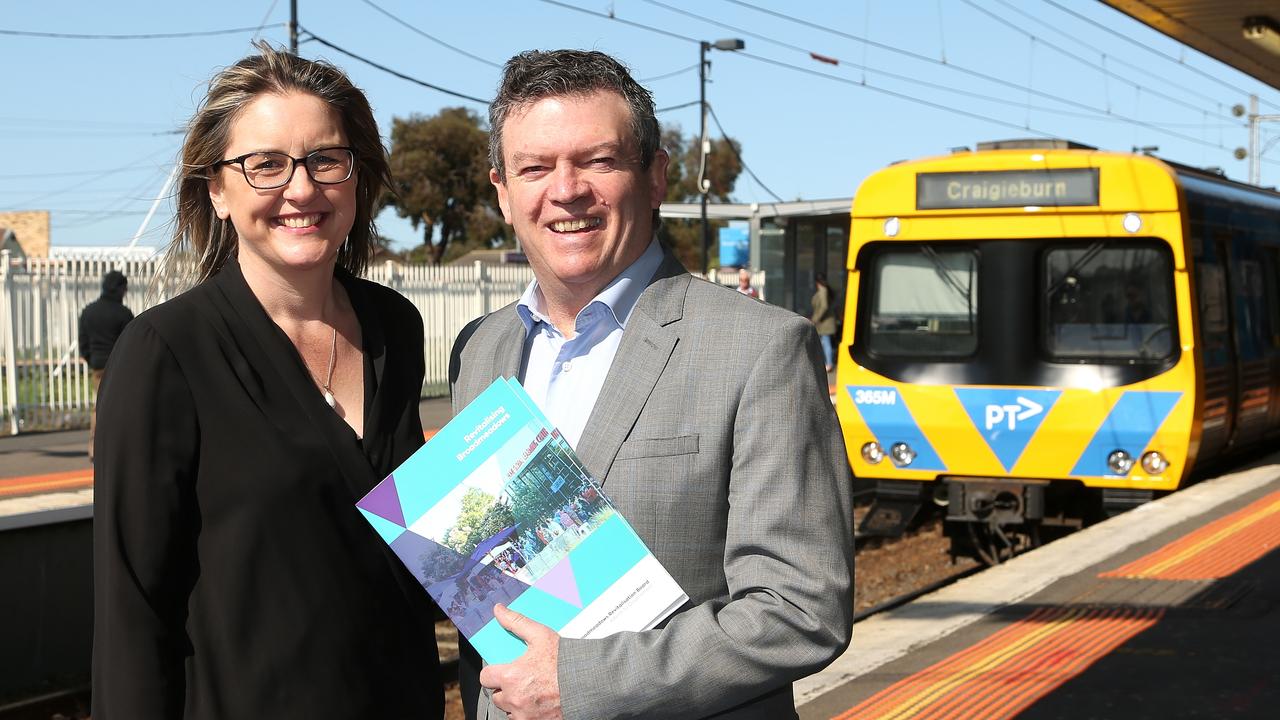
(615, 18)
(1082, 60)
(902, 96)
(1175, 60)
(139, 36)
(397, 73)
(681, 106)
(1093, 113)
(891, 93)
(1105, 55)
(673, 73)
(432, 38)
(797, 68)
(1103, 113)
(736, 154)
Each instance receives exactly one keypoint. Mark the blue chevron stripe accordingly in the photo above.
(1130, 425)
(887, 416)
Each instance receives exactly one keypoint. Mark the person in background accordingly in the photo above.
(730, 466)
(101, 323)
(744, 284)
(824, 318)
(241, 422)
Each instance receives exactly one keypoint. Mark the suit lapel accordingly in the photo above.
(504, 334)
(650, 338)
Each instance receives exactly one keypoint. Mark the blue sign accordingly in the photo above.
(1007, 419)
(557, 483)
(888, 418)
(735, 247)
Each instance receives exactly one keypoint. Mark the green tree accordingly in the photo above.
(440, 172)
(476, 504)
(723, 168)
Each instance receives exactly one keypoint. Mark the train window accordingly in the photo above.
(1108, 304)
(1213, 298)
(924, 302)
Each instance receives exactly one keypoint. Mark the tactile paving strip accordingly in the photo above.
(1002, 675)
(1214, 551)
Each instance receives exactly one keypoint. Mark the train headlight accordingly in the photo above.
(902, 454)
(872, 453)
(1132, 222)
(892, 226)
(1120, 462)
(1154, 463)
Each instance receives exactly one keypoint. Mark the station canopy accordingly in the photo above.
(1244, 34)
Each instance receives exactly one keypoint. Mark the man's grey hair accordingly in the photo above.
(537, 74)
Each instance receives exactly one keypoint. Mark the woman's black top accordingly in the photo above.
(233, 576)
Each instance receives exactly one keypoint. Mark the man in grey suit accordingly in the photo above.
(703, 413)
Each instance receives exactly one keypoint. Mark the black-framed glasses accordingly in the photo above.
(269, 170)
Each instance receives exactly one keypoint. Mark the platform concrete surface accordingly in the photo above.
(41, 453)
(1189, 661)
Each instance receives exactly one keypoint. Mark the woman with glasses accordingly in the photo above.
(240, 422)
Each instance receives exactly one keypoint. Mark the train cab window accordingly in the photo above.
(1108, 303)
(924, 302)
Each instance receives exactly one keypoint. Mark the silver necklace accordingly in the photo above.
(328, 383)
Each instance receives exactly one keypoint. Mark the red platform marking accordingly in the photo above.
(33, 484)
(1215, 550)
(1004, 674)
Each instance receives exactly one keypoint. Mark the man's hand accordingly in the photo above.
(527, 689)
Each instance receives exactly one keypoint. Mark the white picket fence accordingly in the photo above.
(44, 384)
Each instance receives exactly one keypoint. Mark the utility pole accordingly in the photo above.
(293, 26)
(1255, 151)
(704, 183)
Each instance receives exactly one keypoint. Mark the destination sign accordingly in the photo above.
(1008, 188)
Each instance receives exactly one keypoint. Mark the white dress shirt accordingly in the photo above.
(564, 376)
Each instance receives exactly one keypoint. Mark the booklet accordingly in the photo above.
(497, 508)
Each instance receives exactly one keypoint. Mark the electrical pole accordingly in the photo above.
(1255, 151)
(704, 184)
(293, 26)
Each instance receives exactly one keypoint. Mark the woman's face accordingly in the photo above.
(302, 224)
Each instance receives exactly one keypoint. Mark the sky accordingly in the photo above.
(90, 128)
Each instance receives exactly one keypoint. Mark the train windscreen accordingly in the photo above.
(1108, 304)
(924, 303)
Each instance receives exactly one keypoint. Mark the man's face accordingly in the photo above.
(576, 191)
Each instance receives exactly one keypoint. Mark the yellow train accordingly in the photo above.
(1039, 334)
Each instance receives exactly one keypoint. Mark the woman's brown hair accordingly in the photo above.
(197, 228)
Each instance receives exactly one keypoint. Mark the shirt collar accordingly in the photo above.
(619, 296)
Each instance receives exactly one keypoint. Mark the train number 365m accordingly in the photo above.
(875, 397)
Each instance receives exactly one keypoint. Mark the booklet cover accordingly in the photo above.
(497, 508)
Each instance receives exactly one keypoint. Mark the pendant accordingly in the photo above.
(328, 397)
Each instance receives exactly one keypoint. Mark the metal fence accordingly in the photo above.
(44, 385)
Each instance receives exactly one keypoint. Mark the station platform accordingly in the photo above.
(46, 542)
(1171, 610)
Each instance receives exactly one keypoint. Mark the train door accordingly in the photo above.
(1271, 288)
(1230, 341)
(1252, 344)
(1218, 352)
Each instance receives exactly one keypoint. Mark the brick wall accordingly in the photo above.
(31, 227)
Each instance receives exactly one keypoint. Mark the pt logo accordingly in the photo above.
(1023, 410)
(1007, 419)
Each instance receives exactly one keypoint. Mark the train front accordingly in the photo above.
(1017, 347)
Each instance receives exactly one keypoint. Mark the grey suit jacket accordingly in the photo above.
(715, 438)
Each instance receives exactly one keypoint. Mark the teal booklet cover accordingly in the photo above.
(497, 508)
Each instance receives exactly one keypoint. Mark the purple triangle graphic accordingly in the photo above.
(384, 501)
(560, 582)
